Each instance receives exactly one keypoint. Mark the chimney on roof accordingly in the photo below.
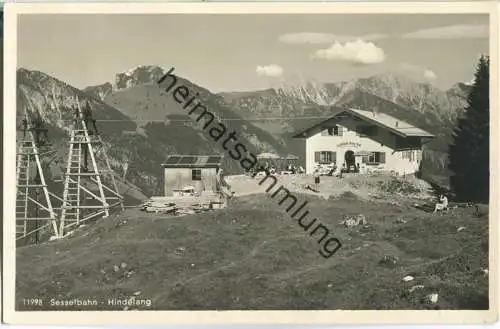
(375, 110)
(397, 123)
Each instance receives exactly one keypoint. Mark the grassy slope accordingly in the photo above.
(253, 256)
(119, 145)
(147, 103)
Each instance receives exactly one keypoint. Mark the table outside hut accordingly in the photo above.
(362, 160)
(279, 163)
(266, 160)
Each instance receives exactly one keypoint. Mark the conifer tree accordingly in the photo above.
(469, 153)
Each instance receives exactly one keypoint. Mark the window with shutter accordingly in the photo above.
(340, 131)
(332, 131)
(371, 158)
(196, 174)
(324, 157)
(382, 157)
(334, 157)
(374, 158)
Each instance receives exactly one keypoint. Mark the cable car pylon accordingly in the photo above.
(85, 195)
(34, 212)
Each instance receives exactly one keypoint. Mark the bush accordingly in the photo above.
(398, 186)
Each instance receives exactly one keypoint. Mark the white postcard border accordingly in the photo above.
(238, 317)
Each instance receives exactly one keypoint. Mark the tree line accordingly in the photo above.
(469, 154)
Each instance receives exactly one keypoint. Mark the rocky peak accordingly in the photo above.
(139, 75)
(100, 91)
(460, 89)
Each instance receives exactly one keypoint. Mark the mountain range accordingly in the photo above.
(139, 123)
(142, 126)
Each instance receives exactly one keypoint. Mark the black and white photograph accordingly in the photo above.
(239, 160)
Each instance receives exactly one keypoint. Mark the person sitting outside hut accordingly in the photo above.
(333, 167)
(444, 200)
(442, 204)
(272, 170)
(335, 171)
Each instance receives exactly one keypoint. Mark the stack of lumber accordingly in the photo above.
(156, 205)
(182, 204)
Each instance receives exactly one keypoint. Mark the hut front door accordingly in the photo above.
(350, 159)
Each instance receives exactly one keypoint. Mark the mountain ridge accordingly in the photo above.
(283, 109)
(142, 144)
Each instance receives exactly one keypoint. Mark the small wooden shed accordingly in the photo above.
(196, 173)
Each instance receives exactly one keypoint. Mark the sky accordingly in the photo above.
(237, 52)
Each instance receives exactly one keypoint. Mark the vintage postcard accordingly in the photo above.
(250, 163)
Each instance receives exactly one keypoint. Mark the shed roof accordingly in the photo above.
(193, 161)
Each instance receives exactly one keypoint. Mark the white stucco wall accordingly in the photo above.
(351, 141)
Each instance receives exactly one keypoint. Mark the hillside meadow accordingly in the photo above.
(251, 255)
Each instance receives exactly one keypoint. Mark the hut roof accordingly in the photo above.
(399, 127)
(291, 157)
(193, 161)
(268, 156)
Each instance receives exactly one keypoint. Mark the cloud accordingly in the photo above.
(358, 51)
(272, 70)
(418, 72)
(319, 38)
(430, 75)
(450, 32)
(306, 37)
(471, 82)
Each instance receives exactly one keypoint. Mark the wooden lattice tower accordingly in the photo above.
(80, 202)
(34, 211)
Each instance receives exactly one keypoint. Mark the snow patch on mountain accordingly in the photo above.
(307, 90)
(391, 86)
(471, 82)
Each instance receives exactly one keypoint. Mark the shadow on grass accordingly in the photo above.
(474, 301)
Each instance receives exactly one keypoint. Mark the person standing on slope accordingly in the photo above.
(316, 176)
